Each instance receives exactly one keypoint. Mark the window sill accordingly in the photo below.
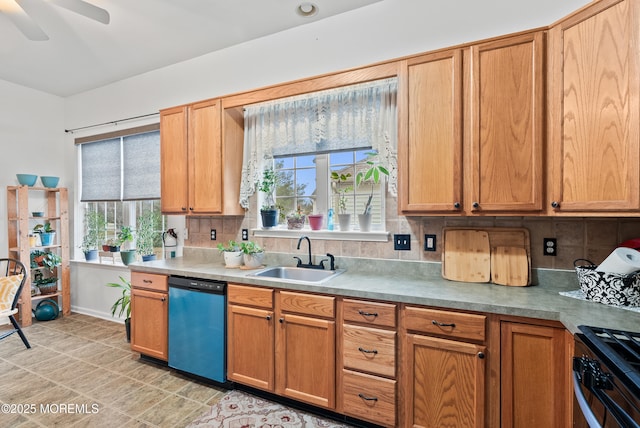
(351, 235)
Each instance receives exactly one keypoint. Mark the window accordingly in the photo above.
(305, 183)
(120, 181)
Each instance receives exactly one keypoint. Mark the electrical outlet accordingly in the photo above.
(429, 242)
(402, 242)
(213, 234)
(550, 246)
(245, 234)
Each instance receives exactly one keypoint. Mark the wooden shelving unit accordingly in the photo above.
(20, 221)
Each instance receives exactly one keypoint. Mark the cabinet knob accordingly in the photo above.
(475, 205)
(481, 355)
(268, 317)
(190, 208)
(457, 205)
(281, 320)
(555, 204)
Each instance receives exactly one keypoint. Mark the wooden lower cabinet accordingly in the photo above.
(150, 314)
(534, 379)
(368, 397)
(445, 383)
(305, 348)
(251, 336)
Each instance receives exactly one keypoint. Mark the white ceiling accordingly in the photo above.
(143, 35)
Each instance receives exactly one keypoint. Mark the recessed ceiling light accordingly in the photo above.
(307, 9)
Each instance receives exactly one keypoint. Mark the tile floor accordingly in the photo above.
(80, 372)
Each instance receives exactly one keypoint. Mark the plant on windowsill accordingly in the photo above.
(125, 238)
(146, 235)
(253, 254)
(94, 224)
(269, 211)
(232, 254)
(123, 303)
(296, 219)
(372, 175)
(344, 218)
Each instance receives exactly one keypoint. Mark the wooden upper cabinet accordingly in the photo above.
(201, 162)
(505, 120)
(205, 158)
(594, 103)
(430, 133)
(173, 160)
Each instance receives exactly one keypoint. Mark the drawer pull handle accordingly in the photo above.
(442, 324)
(364, 397)
(147, 281)
(367, 314)
(366, 351)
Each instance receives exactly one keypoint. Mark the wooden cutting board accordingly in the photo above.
(510, 266)
(467, 255)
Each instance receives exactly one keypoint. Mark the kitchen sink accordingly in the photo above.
(297, 275)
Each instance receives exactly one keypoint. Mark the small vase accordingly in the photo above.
(364, 220)
(232, 258)
(315, 221)
(345, 222)
(253, 260)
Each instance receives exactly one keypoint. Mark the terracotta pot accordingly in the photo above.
(315, 221)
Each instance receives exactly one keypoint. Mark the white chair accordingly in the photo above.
(12, 278)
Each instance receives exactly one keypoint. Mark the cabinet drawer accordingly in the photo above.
(150, 281)
(371, 313)
(250, 296)
(369, 397)
(308, 304)
(446, 323)
(369, 349)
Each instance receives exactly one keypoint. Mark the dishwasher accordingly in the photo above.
(197, 327)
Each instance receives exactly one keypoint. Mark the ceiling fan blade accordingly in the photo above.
(85, 9)
(25, 24)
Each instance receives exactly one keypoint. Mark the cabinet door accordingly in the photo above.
(149, 323)
(306, 360)
(594, 115)
(506, 124)
(205, 158)
(533, 376)
(430, 133)
(250, 346)
(173, 160)
(446, 385)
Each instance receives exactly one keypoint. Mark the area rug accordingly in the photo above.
(241, 410)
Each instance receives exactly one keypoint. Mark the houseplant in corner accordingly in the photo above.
(344, 218)
(123, 304)
(269, 211)
(253, 254)
(146, 235)
(232, 253)
(125, 237)
(372, 174)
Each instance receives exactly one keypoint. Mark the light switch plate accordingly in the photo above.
(402, 242)
(429, 242)
(213, 234)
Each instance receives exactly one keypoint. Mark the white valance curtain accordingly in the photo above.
(348, 118)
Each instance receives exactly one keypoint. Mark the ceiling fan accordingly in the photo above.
(19, 15)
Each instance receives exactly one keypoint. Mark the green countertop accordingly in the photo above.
(421, 283)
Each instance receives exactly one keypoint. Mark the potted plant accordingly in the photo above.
(113, 245)
(372, 175)
(47, 234)
(146, 235)
(253, 254)
(123, 303)
(315, 221)
(232, 253)
(296, 220)
(51, 261)
(269, 211)
(94, 224)
(46, 284)
(125, 237)
(344, 218)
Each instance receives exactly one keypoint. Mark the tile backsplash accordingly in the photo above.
(577, 237)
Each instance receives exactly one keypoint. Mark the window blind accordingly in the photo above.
(123, 168)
